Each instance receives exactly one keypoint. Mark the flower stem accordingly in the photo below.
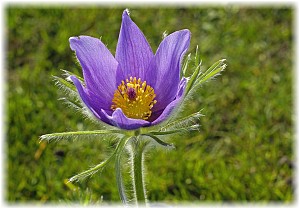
(119, 178)
(137, 171)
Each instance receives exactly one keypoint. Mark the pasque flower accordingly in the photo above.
(136, 88)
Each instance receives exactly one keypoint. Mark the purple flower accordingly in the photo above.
(135, 88)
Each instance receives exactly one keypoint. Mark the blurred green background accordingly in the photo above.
(245, 149)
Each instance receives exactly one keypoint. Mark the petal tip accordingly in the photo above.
(74, 79)
(74, 38)
(122, 121)
(186, 32)
(72, 41)
(126, 13)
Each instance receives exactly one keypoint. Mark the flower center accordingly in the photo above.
(135, 98)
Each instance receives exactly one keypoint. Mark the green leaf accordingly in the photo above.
(159, 141)
(199, 77)
(100, 166)
(68, 74)
(84, 112)
(92, 170)
(212, 72)
(186, 123)
(196, 72)
(66, 84)
(164, 132)
(186, 64)
(76, 134)
(179, 130)
(197, 57)
(66, 87)
(73, 105)
(192, 79)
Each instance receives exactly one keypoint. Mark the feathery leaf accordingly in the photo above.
(186, 64)
(100, 166)
(76, 134)
(186, 123)
(165, 144)
(211, 72)
(68, 74)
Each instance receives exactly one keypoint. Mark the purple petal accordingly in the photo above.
(98, 65)
(120, 120)
(163, 73)
(94, 107)
(133, 51)
(181, 87)
(171, 106)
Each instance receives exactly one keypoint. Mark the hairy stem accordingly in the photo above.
(120, 184)
(137, 171)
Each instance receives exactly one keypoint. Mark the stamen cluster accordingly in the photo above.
(135, 98)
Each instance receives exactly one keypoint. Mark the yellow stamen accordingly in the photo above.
(135, 98)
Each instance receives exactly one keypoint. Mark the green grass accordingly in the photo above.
(244, 151)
